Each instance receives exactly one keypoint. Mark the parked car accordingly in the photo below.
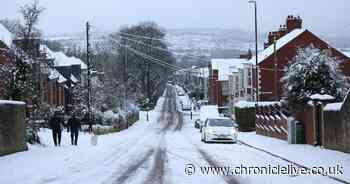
(219, 130)
(208, 111)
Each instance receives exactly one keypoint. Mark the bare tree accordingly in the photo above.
(31, 13)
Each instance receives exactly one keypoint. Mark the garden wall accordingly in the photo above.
(12, 127)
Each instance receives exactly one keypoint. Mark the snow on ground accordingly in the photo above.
(307, 155)
(157, 152)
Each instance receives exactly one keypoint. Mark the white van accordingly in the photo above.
(208, 111)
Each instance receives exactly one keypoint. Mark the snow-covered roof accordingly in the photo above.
(5, 35)
(11, 102)
(321, 97)
(54, 74)
(347, 53)
(223, 66)
(245, 104)
(73, 78)
(60, 59)
(333, 107)
(279, 44)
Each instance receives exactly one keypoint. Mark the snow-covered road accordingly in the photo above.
(149, 152)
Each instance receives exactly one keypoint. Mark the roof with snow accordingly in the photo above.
(9, 102)
(60, 59)
(73, 78)
(5, 36)
(223, 66)
(346, 53)
(333, 107)
(279, 44)
(54, 74)
(321, 97)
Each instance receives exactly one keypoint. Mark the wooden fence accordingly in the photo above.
(270, 121)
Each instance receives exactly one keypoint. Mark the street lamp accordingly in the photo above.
(256, 52)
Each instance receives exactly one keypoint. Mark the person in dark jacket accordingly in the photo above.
(74, 126)
(56, 123)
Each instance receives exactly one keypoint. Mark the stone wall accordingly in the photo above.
(12, 127)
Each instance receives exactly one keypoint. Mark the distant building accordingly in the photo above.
(65, 72)
(240, 82)
(287, 40)
(228, 78)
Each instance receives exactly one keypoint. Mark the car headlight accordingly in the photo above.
(234, 131)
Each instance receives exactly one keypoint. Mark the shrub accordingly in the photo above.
(245, 118)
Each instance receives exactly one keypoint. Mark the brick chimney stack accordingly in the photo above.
(291, 24)
(294, 23)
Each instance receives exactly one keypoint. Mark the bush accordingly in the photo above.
(245, 118)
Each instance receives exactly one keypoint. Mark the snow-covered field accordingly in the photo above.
(158, 152)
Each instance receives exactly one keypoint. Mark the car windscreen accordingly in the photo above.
(221, 122)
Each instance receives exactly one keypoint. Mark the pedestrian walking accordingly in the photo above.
(74, 126)
(56, 123)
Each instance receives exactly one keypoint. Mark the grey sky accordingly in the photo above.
(61, 16)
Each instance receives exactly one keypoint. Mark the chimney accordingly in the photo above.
(293, 23)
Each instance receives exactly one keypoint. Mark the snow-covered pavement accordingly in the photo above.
(148, 152)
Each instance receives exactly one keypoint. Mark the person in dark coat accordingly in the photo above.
(56, 123)
(74, 126)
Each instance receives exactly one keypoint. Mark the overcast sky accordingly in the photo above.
(62, 16)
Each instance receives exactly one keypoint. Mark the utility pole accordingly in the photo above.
(256, 52)
(126, 82)
(88, 74)
(148, 71)
(276, 70)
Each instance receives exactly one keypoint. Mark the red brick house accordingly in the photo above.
(5, 57)
(288, 38)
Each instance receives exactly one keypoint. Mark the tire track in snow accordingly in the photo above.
(157, 174)
(212, 162)
(130, 171)
(180, 122)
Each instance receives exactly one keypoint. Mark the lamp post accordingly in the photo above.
(256, 53)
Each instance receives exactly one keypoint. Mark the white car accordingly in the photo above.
(219, 130)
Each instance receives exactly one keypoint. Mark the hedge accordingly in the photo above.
(245, 118)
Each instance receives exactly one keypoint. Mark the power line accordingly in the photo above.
(159, 48)
(141, 36)
(148, 57)
(157, 61)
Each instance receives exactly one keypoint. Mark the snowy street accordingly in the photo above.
(148, 152)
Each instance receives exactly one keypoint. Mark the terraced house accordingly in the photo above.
(281, 48)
